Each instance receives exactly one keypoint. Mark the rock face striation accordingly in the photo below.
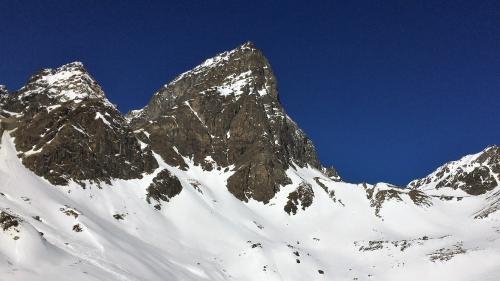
(65, 129)
(226, 113)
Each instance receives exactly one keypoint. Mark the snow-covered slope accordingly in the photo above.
(179, 220)
(205, 233)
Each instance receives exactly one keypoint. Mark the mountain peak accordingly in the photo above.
(66, 130)
(227, 109)
(244, 52)
(248, 45)
(63, 72)
(69, 82)
(74, 65)
(475, 174)
(241, 71)
(493, 146)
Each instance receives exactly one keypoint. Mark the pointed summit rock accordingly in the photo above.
(66, 129)
(226, 113)
(241, 71)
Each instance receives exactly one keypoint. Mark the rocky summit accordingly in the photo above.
(212, 180)
(226, 113)
(65, 129)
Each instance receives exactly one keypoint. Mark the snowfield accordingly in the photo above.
(205, 233)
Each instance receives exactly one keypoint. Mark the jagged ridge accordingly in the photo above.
(475, 174)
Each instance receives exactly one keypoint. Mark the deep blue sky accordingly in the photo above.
(387, 90)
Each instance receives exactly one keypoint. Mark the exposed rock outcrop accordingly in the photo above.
(8, 221)
(382, 193)
(475, 174)
(163, 188)
(66, 129)
(227, 111)
(302, 196)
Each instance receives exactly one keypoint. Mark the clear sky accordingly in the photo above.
(387, 90)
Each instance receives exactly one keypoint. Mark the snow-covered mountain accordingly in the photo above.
(213, 181)
(66, 129)
(226, 113)
(477, 174)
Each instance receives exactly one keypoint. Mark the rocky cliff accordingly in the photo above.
(226, 113)
(65, 129)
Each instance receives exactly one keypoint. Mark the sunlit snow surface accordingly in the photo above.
(205, 233)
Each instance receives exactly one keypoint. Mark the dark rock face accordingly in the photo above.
(420, 198)
(8, 221)
(67, 129)
(301, 197)
(475, 175)
(259, 178)
(226, 112)
(164, 187)
(491, 158)
(477, 182)
(379, 196)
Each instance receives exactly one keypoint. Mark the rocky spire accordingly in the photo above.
(226, 112)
